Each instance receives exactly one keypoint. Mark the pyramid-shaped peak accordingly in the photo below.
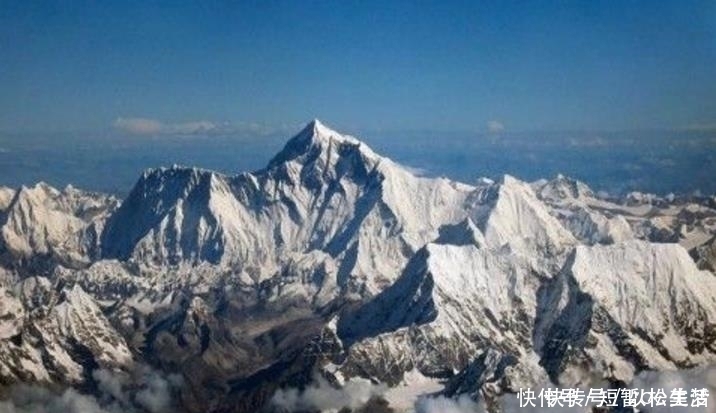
(316, 136)
(316, 125)
(316, 130)
(509, 182)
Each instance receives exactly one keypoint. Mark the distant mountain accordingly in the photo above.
(334, 262)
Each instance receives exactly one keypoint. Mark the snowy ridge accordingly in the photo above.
(451, 304)
(647, 304)
(512, 217)
(174, 215)
(62, 224)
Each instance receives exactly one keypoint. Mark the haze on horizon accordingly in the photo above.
(95, 92)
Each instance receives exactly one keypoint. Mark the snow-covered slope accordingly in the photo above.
(173, 215)
(6, 196)
(510, 215)
(452, 303)
(600, 219)
(64, 225)
(573, 203)
(56, 335)
(627, 307)
(337, 261)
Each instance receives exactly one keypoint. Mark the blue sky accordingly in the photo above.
(621, 94)
(157, 68)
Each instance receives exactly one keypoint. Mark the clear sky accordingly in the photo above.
(181, 67)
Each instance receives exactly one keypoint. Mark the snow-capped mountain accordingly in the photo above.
(336, 262)
(44, 225)
(323, 192)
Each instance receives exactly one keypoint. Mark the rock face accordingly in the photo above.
(334, 261)
(705, 255)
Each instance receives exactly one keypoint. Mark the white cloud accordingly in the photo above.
(322, 396)
(442, 404)
(495, 126)
(142, 391)
(701, 127)
(588, 142)
(138, 126)
(192, 128)
(147, 126)
(415, 170)
(152, 127)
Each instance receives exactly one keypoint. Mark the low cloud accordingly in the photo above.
(588, 142)
(141, 126)
(322, 396)
(415, 170)
(494, 126)
(146, 126)
(142, 391)
(441, 404)
(29, 399)
(701, 127)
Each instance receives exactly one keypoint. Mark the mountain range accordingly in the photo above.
(337, 268)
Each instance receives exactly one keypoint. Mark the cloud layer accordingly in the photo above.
(144, 390)
(441, 404)
(322, 396)
(144, 126)
(147, 126)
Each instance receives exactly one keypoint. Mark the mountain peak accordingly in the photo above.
(317, 131)
(317, 127)
(316, 137)
(563, 187)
